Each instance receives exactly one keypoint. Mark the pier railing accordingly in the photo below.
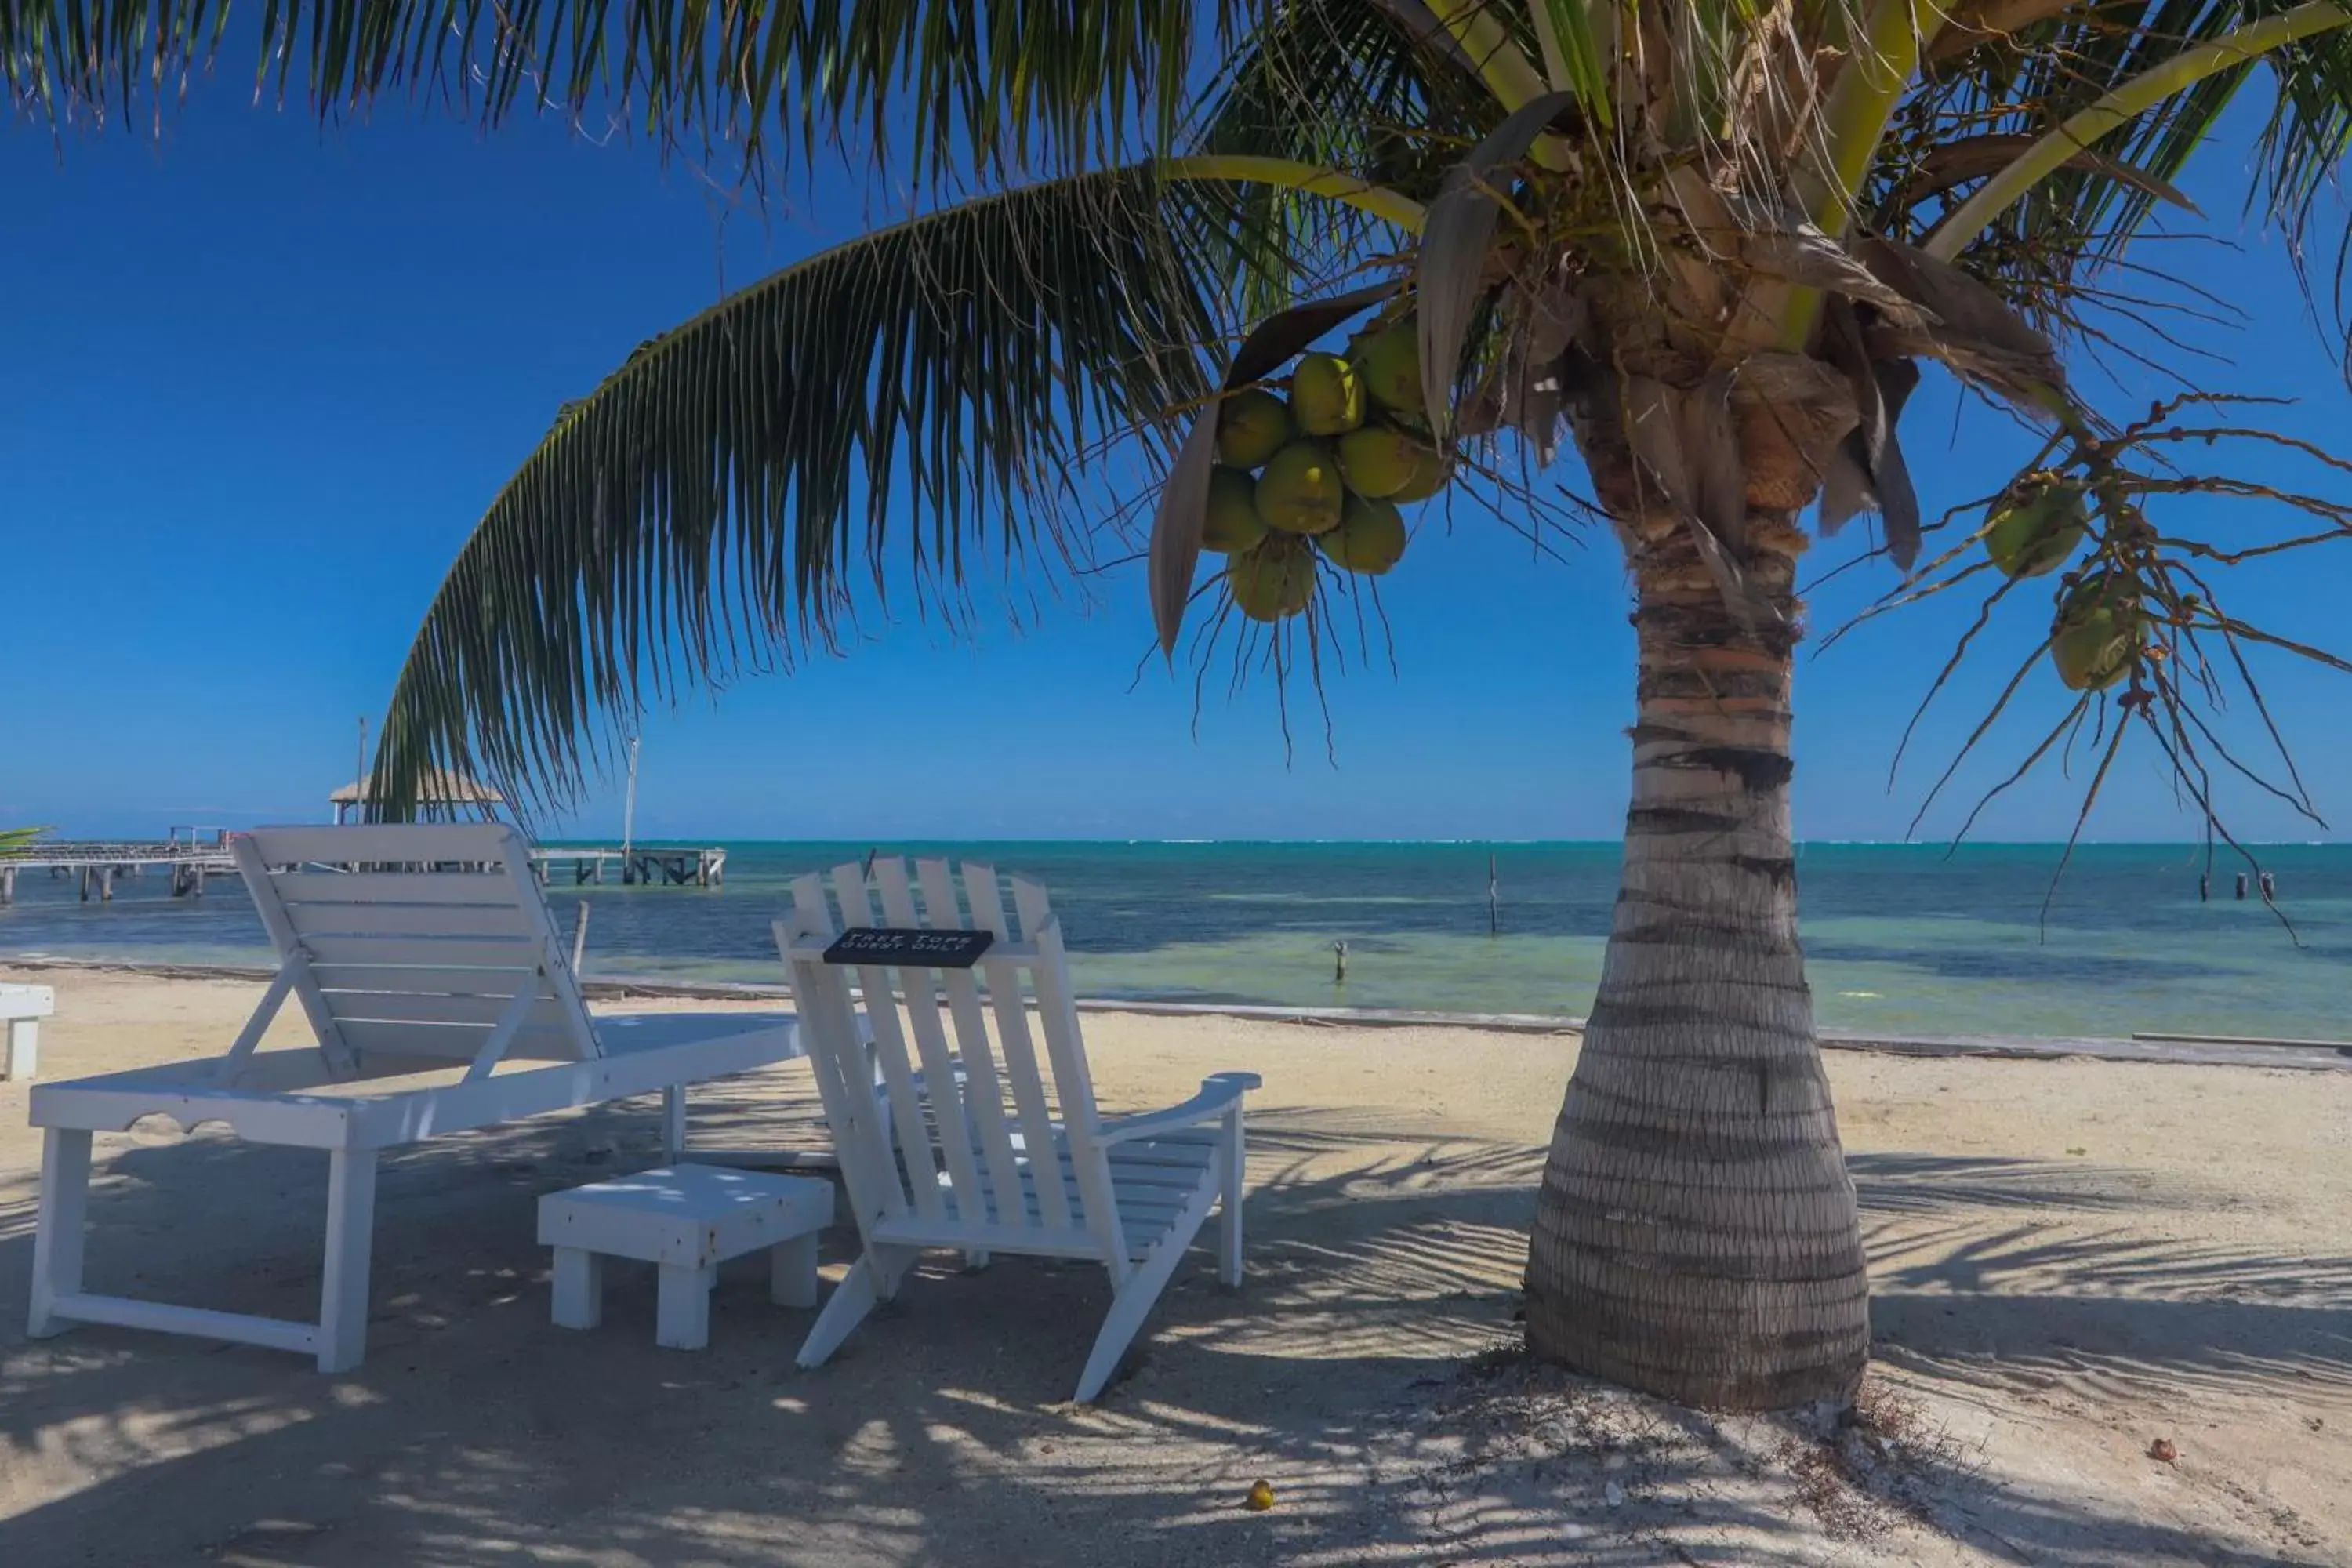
(98, 862)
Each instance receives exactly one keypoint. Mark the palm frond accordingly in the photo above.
(2066, 62)
(913, 403)
(1349, 85)
(932, 87)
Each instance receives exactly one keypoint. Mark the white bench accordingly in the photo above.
(21, 1009)
(686, 1220)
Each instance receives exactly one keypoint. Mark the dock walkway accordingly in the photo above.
(100, 861)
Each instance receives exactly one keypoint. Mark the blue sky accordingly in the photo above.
(262, 378)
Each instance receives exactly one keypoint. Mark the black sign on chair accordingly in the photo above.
(891, 944)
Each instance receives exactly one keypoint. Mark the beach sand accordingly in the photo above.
(2071, 1260)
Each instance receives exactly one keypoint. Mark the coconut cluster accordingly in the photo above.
(2100, 626)
(1323, 471)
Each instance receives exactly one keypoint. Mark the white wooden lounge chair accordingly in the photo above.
(949, 1154)
(410, 950)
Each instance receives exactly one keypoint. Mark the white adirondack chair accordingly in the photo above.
(409, 949)
(962, 1147)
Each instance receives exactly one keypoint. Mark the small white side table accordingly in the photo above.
(21, 1009)
(686, 1220)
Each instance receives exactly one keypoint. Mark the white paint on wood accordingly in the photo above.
(58, 1228)
(686, 1220)
(792, 1269)
(1130, 1194)
(682, 1307)
(351, 1237)
(577, 1287)
(401, 985)
(22, 1008)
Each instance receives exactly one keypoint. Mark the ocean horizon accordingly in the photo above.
(1918, 938)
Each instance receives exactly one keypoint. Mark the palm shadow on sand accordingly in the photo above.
(478, 1434)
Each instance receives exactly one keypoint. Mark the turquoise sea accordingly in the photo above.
(1902, 937)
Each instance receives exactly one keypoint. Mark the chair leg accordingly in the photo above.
(874, 1277)
(682, 1307)
(350, 1236)
(673, 1123)
(1232, 1163)
(579, 1288)
(792, 1272)
(1133, 1303)
(57, 1233)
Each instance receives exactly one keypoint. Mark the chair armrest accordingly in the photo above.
(1218, 1095)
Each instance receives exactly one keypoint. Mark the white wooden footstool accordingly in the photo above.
(687, 1220)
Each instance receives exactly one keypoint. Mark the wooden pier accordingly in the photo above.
(633, 867)
(99, 862)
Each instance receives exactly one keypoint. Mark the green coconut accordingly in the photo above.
(2097, 635)
(1379, 460)
(1430, 473)
(1254, 425)
(1274, 580)
(1370, 537)
(1391, 365)
(2035, 532)
(1300, 490)
(1326, 394)
(1232, 521)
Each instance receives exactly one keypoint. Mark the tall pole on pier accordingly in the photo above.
(629, 806)
(359, 778)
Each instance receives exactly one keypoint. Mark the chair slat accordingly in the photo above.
(987, 902)
(1057, 1015)
(492, 954)
(379, 1039)
(403, 844)
(941, 1080)
(395, 888)
(915, 1147)
(406, 920)
(432, 1007)
(829, 1025)
(424, 979)
(985, 1087)
(947, 1096)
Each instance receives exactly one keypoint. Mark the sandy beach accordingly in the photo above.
(2072, 1260)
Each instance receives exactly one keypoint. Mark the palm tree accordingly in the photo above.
(1711, 241)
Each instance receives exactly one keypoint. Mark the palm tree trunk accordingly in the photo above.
(1697, 1236)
